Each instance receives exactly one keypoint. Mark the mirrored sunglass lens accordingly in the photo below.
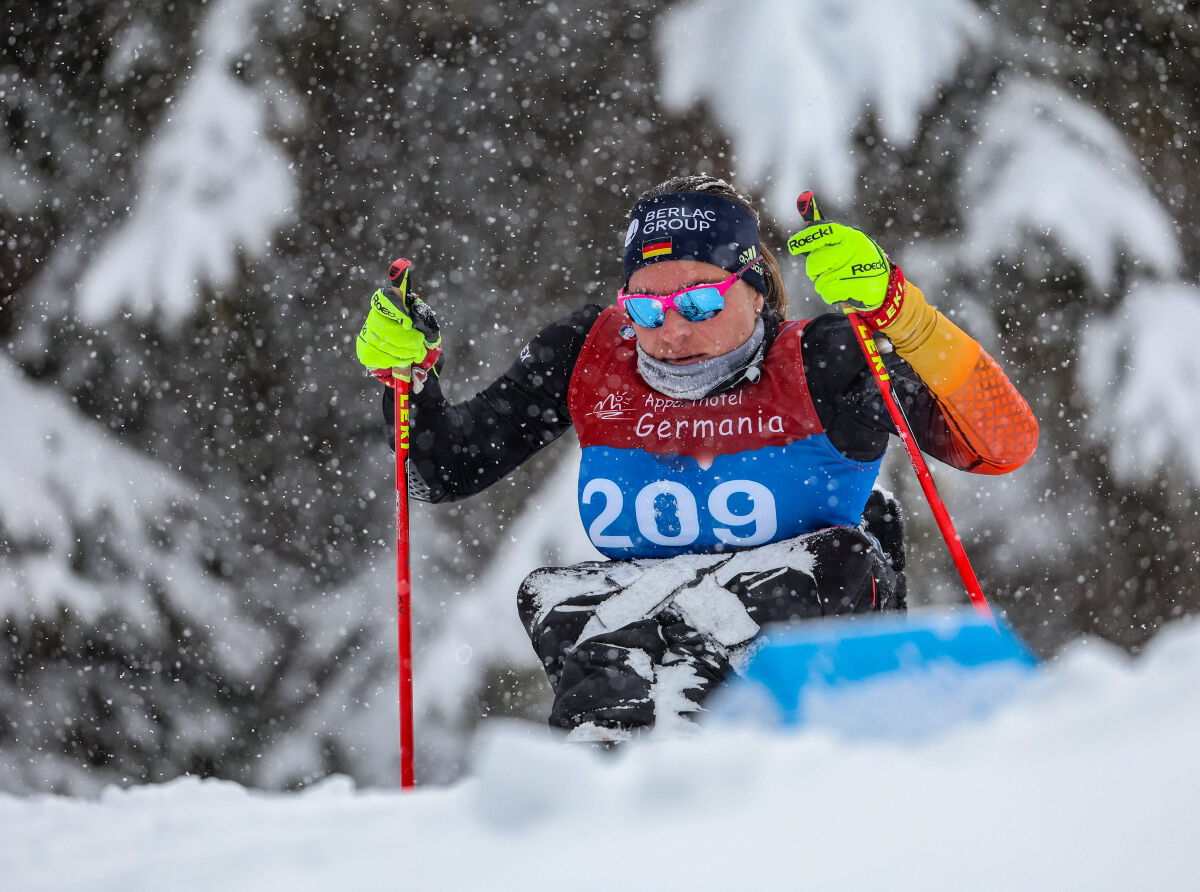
(645, 311)
(700, 304)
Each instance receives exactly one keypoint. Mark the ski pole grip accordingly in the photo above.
(806, 204)
(398, 272)
(398, 284)
(810, 211)
(398, 280)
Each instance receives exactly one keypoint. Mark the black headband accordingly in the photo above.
(693, 226)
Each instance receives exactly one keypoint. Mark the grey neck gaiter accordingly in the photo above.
(698, 380)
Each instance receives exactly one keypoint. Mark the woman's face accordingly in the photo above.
(680, 342)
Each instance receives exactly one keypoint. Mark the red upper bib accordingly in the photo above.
(661, 476)
(611, 405)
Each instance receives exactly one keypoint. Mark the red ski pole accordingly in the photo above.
(807, 205)
(397, 281)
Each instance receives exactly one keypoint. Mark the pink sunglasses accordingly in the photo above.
(695, 304)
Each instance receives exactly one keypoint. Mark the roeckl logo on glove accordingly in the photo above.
(859, 269)
(377, 301)
(800, 239)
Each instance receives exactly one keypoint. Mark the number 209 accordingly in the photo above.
(761, 514)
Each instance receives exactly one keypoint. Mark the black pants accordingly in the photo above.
(609, 678)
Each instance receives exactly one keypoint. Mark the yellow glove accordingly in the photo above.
(844, 263)
(398, 336)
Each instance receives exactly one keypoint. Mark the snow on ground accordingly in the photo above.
(1089, 780)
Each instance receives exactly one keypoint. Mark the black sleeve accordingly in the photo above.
(848, 401)
(461, 449)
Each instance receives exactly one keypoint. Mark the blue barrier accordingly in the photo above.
(895, 675)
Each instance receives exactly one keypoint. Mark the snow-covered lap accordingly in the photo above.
(1088, 780)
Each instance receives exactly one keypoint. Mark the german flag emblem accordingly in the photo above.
(656, 248)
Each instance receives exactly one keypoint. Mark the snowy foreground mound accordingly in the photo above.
(1091, 780)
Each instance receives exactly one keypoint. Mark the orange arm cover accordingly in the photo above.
(992, 428)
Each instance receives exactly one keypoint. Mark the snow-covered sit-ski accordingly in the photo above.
(730, 455)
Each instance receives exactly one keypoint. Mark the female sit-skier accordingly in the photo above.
(729, 456)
